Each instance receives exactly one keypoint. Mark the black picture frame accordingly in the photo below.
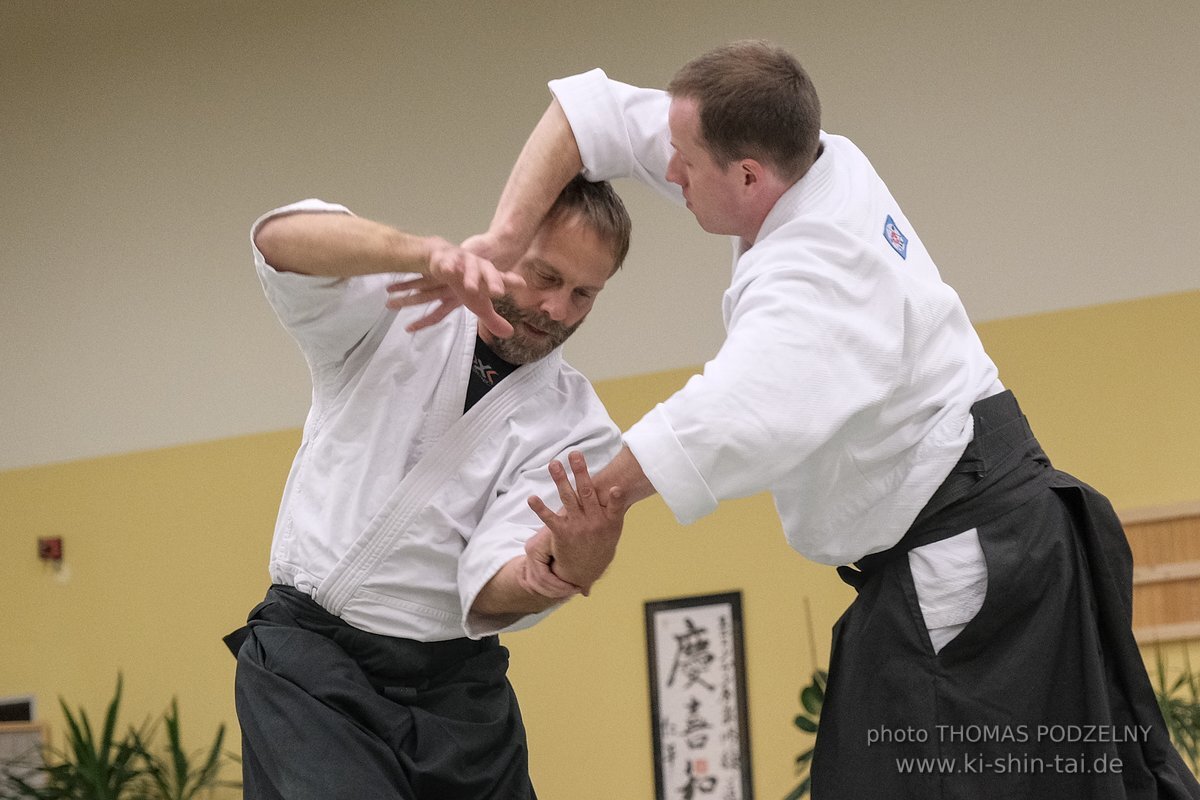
(695, 651)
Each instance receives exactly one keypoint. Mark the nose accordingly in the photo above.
(555, 305)
(674, 171)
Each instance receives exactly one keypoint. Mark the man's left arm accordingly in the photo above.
(569, 548)
(595, 526)
(507, 596)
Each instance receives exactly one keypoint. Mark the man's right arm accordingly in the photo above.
(600, 127)
(339, 245)
(546, 164)
(343, 245)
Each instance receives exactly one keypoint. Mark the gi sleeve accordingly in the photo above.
(326, 316)
(621, 130)
(508, 521)
(808, 351)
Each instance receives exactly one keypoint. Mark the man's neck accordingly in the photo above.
(768, 201)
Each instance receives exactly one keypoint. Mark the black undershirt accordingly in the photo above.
(487, 369)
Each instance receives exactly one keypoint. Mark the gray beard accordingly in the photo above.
(520, 348)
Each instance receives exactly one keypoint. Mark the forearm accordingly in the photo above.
(504, 596)
(546, 164)
(624, 473)
(580, 541)
(339, 245)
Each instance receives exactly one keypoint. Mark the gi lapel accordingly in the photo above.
(437, 466)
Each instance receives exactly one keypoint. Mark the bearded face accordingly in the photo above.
(534, 334)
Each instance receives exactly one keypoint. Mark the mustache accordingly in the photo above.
(544, 323)
(510, 311)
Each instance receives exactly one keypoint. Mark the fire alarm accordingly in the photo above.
(50, 548)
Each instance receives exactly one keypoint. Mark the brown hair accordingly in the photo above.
(600, 208)
(756, 101)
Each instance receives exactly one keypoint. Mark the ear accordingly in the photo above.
(752, 172)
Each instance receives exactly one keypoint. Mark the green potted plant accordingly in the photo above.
(106, 766)
(92, 767)
(1179, 701)
(812, 697)
(176, 775)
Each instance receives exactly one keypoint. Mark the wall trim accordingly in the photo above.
(1133, 516)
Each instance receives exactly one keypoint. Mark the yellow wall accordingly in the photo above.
(166, 551)
(1112, 392)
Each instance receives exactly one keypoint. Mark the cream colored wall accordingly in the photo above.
(1043, 154)
(1038, 153)
(166, 552)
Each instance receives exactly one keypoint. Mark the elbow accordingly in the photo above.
(271, 240)
(486, 604)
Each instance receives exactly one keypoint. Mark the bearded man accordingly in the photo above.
(373, 667)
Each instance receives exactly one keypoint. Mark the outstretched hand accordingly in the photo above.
(456, 277)
(580, 540)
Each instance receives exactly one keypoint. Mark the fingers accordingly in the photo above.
(481, 245)
(433, 317)
(415, 291)
(548, 517)
(466, 279)
(582, 496)
(565, 492)
(413, 284)
(583, 479)
(476, 275)
(512, 281)
(538, 578)
(495, 323)
(493, 277)
(404, 299)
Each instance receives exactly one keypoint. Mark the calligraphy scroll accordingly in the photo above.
(698, 698)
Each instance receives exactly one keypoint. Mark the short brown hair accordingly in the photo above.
(756, 101)
(598, 205)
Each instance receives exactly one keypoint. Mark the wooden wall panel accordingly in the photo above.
(1166, 574)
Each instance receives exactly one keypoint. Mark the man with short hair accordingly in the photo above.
(994, 591)
(373, 667)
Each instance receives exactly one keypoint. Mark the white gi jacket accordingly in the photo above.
(399, 508)
(846, 378)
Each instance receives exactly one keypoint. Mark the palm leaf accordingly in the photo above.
(812, 698)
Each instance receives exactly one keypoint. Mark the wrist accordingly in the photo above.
(423, 250)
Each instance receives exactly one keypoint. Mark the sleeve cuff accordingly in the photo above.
(472, 579)
(312, 204)
(596, 121)
(668, 468)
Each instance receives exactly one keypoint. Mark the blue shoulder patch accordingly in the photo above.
(895, 238)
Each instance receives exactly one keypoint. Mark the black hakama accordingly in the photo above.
(329, 712)
(1043, 694)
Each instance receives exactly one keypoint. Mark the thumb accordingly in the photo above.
(491, 320)
(616, 502)
(535, 546)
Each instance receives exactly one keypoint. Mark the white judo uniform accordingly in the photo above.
(364, 673)
(853, 419)
(399, 507)
(852, 385)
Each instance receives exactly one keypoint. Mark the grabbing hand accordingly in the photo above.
(456, 277)
(579, 541)
(503, 253)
